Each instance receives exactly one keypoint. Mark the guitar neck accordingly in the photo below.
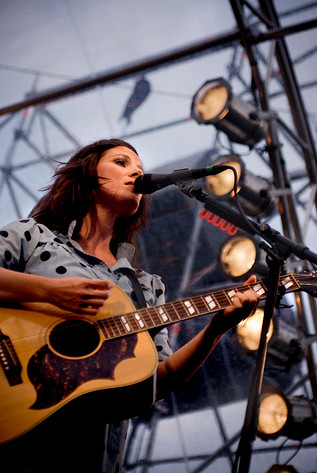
(185, 309)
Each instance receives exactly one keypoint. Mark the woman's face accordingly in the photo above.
(117, 170)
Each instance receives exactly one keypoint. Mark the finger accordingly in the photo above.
(95, 299)
(101, 284)
(88, 311)
(100, 295)
(90, 307)
(91, 303)
(251, 280)
(245, 299)
(236, 301)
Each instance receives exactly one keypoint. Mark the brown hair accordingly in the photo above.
(70, 196)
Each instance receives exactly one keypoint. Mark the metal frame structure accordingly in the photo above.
(256, 24)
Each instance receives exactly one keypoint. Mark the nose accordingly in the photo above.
(136, 172)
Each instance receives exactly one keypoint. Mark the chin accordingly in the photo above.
(130, 208)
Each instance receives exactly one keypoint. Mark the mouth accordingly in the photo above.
(130, 183)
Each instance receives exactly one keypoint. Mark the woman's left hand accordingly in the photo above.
(243, 305)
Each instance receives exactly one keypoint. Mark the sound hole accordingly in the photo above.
(74, 338)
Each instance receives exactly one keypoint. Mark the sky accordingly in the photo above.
(50, 44)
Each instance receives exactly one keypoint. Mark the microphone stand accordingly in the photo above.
(278, 250)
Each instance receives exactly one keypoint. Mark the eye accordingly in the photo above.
(121, 162)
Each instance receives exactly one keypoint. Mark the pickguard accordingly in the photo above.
(55, 377)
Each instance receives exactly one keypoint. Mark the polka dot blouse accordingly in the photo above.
(32, 248)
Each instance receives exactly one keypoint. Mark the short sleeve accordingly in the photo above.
(17, 243)
(162, 344)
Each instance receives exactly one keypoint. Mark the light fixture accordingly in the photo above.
(294, 417)
(285, 343)
(239, 256)
(282, 469)
(248, 331)
(214, 103)
(254, 192)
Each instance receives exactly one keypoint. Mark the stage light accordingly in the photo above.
(248, 332)
(254, 192)
(214, 103)
(282, 469)
(222, 184)
(239, 256)
(294, 417)
(285, 343)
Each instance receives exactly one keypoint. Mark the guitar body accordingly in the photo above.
(65, 358)
(63, 376)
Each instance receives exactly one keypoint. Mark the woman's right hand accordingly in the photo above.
(80, 295)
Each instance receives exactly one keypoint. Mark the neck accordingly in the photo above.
(95, 235)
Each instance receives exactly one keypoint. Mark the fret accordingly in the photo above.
(230, 294)
(133, 321)
(288, 282)
(112, 326)
(125, 323)
(180, 310)
(172, 312)
(259, 288)
(147, 317)
(201, 305)
(162, 314)
(156, 317)
(190, 307)
(222, 299)
(211, 302)
(115, 327)
(139, 320)
(106, 329)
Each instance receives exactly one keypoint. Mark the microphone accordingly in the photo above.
(149, 183)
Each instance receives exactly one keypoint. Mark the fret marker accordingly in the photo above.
(210, 302)
(259, 289)
(287, 282)
(139, 320)
(126, 324)
(162, 314)
(189, 306)
(231, 294)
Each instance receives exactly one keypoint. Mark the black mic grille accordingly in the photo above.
(143, 184)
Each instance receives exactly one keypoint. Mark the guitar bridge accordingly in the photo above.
(9, 360)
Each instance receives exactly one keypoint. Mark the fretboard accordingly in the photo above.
(181, 310)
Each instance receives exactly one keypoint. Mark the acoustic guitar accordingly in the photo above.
(50, 358)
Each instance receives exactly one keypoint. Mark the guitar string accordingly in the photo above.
(148, 312)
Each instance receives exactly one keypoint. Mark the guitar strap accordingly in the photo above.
(135, 285)
(130, 273)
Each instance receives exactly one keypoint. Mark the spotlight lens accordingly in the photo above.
(238, 256)
(249, 330)
(273, 414)
(211, 102)
(223, 183)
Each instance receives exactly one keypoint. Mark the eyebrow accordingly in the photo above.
(139, 166)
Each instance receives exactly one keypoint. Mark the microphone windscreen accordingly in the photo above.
(143, 184)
